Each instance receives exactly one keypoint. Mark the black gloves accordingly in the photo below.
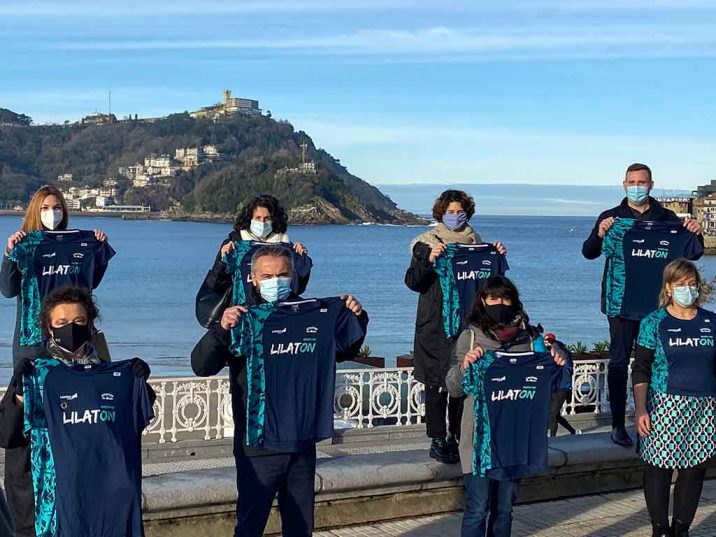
(140, 368)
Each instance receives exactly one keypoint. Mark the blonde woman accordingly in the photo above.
(674, 378)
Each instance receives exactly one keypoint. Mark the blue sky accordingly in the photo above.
(558, 92)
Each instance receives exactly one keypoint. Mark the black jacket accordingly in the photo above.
(592, 247)
(213, 353)
(432, 349)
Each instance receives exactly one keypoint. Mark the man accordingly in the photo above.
(638, 205)
(274, 454)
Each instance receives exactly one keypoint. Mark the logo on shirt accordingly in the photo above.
(107, 397)
(78, 255)
(676, 330)
(461, 262)
(531, 379)
(499, 379)
(650, 253)
(638, 241)
(83, 244)
(296, 348)
(527, 392)
(481, 274)
(706, 330)
(312, 330)
(104, 414)
(61, 270)
(703, 341)
(323, 310)
(664, 243)
(486, 262)
(282, 331)
(69, 397)
(53, 254)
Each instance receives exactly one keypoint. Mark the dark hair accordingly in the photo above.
(275, 251)
(68, 294)
(636, 167)
(450, 196)
(495, 287)
(279, 220)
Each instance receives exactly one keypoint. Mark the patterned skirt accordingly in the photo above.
(683, 430)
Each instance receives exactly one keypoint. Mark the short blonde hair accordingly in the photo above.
(677, 270)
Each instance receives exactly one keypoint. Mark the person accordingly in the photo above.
(497, 322)
(563, 394)
(275, 443)
(638, 205)
(68, 318)
(674, 378)
(432, 348)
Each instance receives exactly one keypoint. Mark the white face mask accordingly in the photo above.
(51, 218)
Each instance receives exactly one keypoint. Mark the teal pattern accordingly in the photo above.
(683, 430)
(448, 285)
(612, 248)
(23, 254)
(649, 339)
(473, 385)
(233, 261)
(248, 338)
(41, 459)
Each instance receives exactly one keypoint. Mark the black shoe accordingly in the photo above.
(621, 437)
(660, 531)
(441, 452)
(453, 443)
(679, 529)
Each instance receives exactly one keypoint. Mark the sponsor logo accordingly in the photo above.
(281, 331)
(481, 274)
(78, 255)
(539, 367)
(673, 330)
(650, 253)
(707, 320)
(94, 416)
(312, 330)
(703, 341)
(487, 262)
(323, 310)
(117, 373)
(705, 330)
(53, 254)
(673, 232)
(293, 349)
(107, 397)
(461, 262)
(69, 397)
(528, 392)
(499, 379)
(513, 360)
(638, 241)
(61, 270)
(531, 379)
(664, 243)
(83, 244)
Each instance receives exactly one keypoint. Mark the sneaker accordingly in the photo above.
(441, 452)
(621, 437)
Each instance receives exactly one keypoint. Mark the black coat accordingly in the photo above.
(432, 350)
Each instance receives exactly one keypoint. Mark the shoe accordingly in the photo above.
(440, 451)
(679, 529)
(621, 437)
(660, 531)
(578, 431)
(453, 443)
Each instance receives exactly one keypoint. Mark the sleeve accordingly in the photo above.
(302, 265)
(350, 333)
(694, 247)
(503, 265)
(103, 254)
(144, 405)
(10, 278)
(592, 247)
(454, 377)
(645, 351)
(212, 352)
(12, 421)
(420, 274)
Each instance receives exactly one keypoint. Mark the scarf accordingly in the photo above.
(86, 354)
(246, 235)
(441, 233)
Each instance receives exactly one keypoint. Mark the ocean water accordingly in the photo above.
(147, 296)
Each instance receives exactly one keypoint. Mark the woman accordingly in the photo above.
(565, 390)
(47, 211)
(497, 322)
(432, 349)
(67, 317)
(674, 377)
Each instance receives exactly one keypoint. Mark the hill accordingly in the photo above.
(255, 155)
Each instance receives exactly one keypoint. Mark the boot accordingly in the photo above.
(453, 443)
(679, 529)
(440, 451)
(660, 531)
(621, 437)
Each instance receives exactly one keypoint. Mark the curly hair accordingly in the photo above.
(495, 287)
(68, 294)
(279, 219)
(450, 196)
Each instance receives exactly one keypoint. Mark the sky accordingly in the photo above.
(541, 92)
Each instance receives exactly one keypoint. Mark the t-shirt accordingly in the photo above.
(238, 263)
(50, 259)
(512, 393)
(684, 352)
(637, 252)
(85, 424)
(290, 350)
(462, 270)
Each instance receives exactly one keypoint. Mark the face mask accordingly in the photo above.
(454, 221)
(275, 289)
(261, 229)
(637, 194)
(51, 218)
(501, 314)
(685, 295)
(71, 336)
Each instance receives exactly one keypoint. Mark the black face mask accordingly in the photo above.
(71, 336)
(502, 314)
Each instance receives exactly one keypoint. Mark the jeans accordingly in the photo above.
(488, 500)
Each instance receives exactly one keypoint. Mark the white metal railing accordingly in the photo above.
(200, 408)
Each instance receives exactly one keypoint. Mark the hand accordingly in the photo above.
(692, 225)
(13, 239)
(227, 248)
(643, 422)
(140, 368)
(352, 304)
(604, 226)
(472, 356)
(557, 356)
(99, 235)
(300, 249)
(436, 252)
(500, 247)
(231, 316)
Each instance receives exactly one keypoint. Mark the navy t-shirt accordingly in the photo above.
(95, 417)
(637, 252)
(290, 350)
(512, 393)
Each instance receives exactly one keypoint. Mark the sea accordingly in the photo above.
(147, 296)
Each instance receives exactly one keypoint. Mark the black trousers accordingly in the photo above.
(687, 492)
(555, 417)
(291, 476)
(622, 334)
(19, 491)
(437, 404)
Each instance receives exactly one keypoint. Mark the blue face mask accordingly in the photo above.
(685, 295)
(637, 194)
(454, 221)
(275, 289)
(261, 229)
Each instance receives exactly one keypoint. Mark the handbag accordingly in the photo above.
(211, 302)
